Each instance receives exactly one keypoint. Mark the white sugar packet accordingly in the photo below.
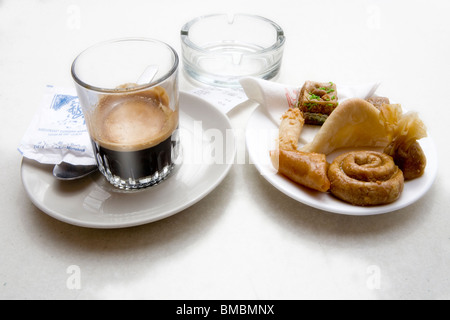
(276, 98)
(58, 131)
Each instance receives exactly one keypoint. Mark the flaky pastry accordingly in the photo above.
(307, 169)
(355, 123)
(291, 126)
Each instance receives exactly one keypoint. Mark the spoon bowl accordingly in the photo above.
(67, 171)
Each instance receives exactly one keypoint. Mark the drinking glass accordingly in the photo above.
(128, 91)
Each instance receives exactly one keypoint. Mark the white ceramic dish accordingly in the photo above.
(261, 134)
(93, 202)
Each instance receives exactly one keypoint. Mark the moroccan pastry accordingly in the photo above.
(317, 101)
(404, 148)
(378, 101)
(365, 178)
(307, 169)
(290, 128)
(356, 123)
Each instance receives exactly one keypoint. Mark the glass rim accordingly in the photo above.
(149, 85)
(279, 42)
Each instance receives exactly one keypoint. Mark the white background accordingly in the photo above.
(245, 240)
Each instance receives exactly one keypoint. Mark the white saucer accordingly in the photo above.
(261, 134)
(208, 147)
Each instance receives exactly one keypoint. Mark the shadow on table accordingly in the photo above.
(404, 248)
(151, 242)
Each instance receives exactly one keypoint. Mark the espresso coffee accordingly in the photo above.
(134, 137)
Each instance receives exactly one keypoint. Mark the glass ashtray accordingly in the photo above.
(221, 49)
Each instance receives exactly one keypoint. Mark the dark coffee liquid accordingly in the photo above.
(135, 138)
(138, 165)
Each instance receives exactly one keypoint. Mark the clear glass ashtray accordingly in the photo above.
(220, 49)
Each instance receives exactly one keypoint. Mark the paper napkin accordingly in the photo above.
(276, 98)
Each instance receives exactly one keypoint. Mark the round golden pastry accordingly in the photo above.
(365, 178)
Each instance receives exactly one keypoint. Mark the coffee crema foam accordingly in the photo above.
(134, 121)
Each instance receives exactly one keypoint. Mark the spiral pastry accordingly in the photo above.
(365, 178)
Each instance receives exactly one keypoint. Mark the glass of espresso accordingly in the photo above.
(128, 90)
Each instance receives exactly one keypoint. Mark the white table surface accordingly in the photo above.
(245, 240)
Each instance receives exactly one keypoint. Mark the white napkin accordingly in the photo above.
(58, 131)
(276, 98)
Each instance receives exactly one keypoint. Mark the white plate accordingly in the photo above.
(208, 148)
(261, 134)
